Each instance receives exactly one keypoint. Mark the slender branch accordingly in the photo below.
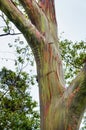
(21, 22)
(5, 21)
(6, 34)
(3, 95)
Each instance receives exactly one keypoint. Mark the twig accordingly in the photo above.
(1, 35)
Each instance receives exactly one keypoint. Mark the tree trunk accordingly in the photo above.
(60, 108)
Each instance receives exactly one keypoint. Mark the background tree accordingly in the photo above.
(17, 110)
(23, 57)
(60, 108)
(73, 55)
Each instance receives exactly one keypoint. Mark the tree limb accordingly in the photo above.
(49, 8)
(21, 22)
(69, 108)
(33, 11)
(75, 97)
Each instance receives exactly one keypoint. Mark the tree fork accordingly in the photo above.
(60, 108)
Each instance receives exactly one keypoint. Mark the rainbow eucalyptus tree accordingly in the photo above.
(60, 108)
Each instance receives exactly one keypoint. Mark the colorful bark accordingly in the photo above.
(49, 8)
(60, 108)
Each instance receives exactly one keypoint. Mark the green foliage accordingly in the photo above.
(16, 105)
(17, 110)
(23, 53)
(7, 27)
(73, 54)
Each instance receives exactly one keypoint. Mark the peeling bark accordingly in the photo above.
(60, 108)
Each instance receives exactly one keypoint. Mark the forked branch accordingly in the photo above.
(21, 22)
(75, 97)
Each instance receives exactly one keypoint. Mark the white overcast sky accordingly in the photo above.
(71, 18)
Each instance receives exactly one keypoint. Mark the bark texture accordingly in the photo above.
(60, 108)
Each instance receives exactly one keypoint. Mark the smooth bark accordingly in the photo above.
(60, 108)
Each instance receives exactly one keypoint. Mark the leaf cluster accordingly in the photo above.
(73, 55)
(17, 109)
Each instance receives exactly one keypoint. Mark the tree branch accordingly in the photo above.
(6, 34)
(75, 97)
(33, 11)
(21, 22)
(69, 108)
(36, 12)
(49, 8)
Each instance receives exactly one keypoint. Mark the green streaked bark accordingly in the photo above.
(60, 108)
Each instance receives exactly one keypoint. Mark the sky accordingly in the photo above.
(71, 19)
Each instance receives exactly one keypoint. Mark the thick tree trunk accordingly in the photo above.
(60, 108)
